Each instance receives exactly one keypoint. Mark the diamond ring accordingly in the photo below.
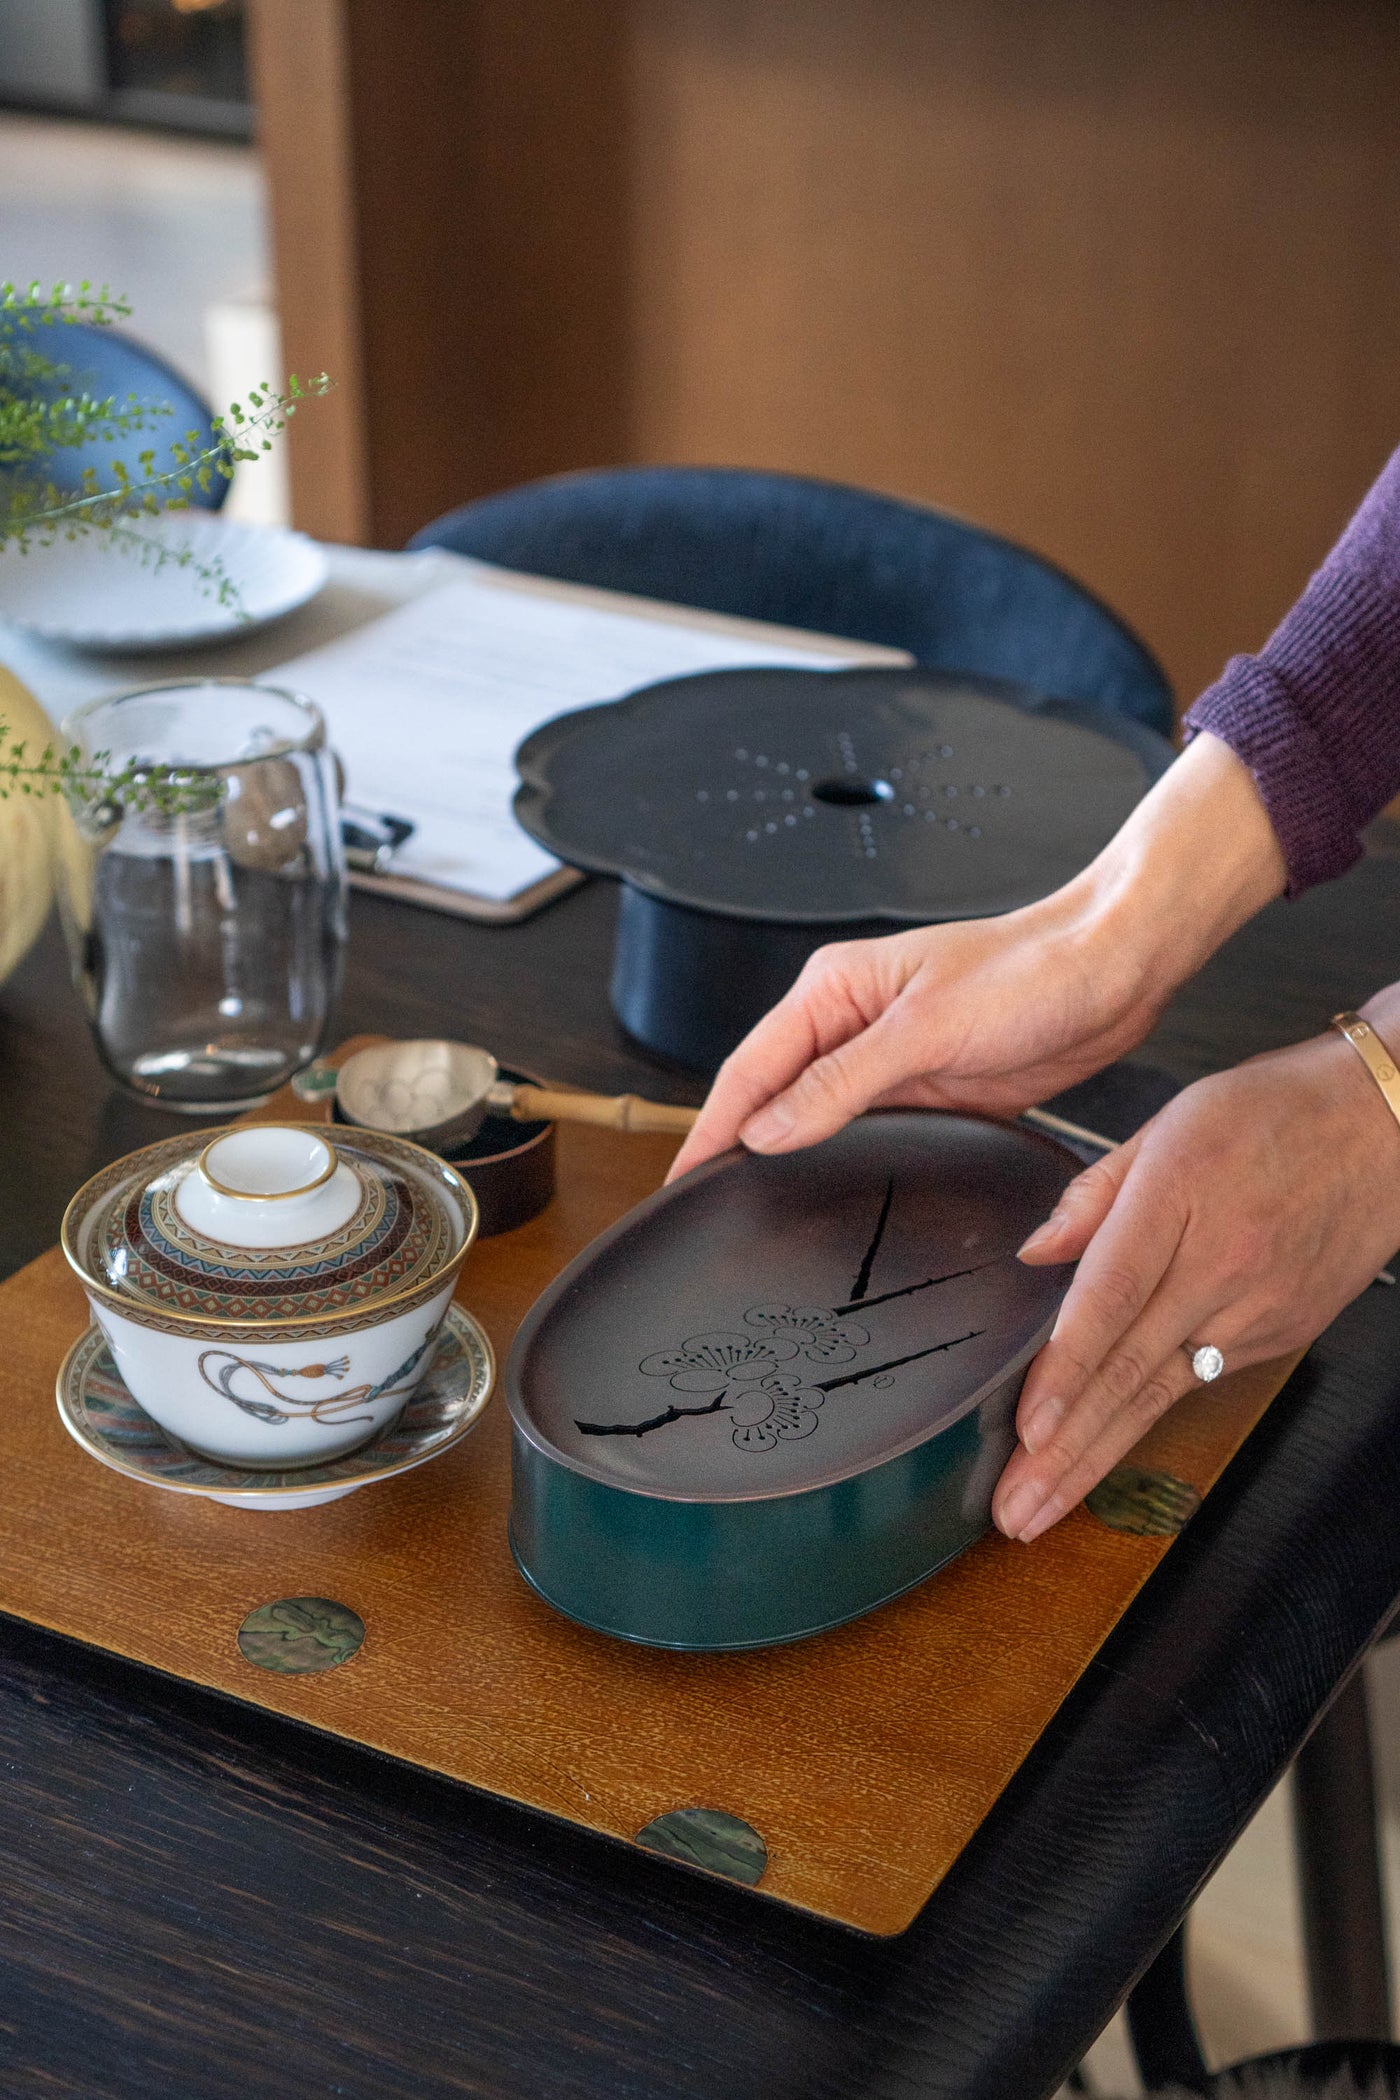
(1207, 1363)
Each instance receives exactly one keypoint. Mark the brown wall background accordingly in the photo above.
(1120, 278)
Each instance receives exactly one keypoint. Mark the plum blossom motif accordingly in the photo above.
(707, 1361)
(822, 1335)
(753, 1378)
(788, 1412)
(779, 1406)
(763, 1401)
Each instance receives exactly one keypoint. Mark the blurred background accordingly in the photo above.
(1122, 282)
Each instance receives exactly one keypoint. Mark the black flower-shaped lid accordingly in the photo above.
(802, 796)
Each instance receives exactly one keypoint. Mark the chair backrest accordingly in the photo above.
(104, 362)
(1317, 2071)
(819, 555)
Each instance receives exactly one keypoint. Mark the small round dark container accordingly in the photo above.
(508, 1166)
(753, 816)
(779, 1393)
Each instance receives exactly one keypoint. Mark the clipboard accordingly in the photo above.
(427, 704)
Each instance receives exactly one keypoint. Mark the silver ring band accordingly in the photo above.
(1207, 1362)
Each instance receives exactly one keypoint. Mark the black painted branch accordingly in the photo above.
(865, 1304)
(829, 1385)
(863, 1274)
(671, 1414)
(825, 1385)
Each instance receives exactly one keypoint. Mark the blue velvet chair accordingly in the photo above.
(103, 362)
(816, 554)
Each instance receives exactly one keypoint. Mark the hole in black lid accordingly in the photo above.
(851, 791)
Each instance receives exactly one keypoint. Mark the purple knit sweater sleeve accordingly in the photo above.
(1316, 715)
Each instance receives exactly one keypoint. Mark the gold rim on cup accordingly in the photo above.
(264, 1195)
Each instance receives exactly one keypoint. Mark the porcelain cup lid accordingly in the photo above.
(270, 1223)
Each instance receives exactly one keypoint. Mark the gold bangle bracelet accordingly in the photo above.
(1374, 1055)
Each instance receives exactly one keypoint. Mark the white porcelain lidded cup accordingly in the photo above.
(272, 1300)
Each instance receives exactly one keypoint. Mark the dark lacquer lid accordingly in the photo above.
(772, 1325)
(802, 796)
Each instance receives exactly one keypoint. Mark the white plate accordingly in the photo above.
(93, 593)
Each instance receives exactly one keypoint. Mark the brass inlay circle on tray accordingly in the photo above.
(1151, 1505)
(710, 1838)
(294, 1636)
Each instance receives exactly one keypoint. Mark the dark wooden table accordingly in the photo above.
(199, 1901)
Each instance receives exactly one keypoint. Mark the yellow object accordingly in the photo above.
(1373, 1053)
(26, 829)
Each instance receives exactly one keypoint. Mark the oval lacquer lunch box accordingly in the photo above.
(780, 1392)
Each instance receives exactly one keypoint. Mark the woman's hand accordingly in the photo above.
(1246, 1214)
(989, 1014)
(995, 1014)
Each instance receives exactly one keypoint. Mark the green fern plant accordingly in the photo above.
(42, 414)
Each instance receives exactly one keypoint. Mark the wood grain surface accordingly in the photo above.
(866, 1758)
(1119, 281)
(447, 200)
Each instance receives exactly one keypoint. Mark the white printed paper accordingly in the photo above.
(427, 705)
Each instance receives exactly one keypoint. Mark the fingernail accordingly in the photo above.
(1042, 1233)
(1020, 1506)
(1042, 1425)
(1049, 1514)
(769, 1127)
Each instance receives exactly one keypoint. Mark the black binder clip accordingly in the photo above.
(371, 839)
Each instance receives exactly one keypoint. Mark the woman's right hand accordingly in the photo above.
(996, 1014)
(988, 1014)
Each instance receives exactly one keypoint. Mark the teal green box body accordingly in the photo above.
(696, 1575)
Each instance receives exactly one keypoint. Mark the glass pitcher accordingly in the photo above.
(202, 887)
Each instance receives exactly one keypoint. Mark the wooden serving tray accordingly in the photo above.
(865, 1758)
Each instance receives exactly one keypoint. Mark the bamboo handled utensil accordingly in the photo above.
(439, 1093)
(1059, 1126)
(631, 1112)
(528, 1104)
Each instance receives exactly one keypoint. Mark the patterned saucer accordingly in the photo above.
(99, 1414)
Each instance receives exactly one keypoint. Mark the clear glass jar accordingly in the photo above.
(204, 902)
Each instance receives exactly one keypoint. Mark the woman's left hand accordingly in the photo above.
(1246, 1214)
